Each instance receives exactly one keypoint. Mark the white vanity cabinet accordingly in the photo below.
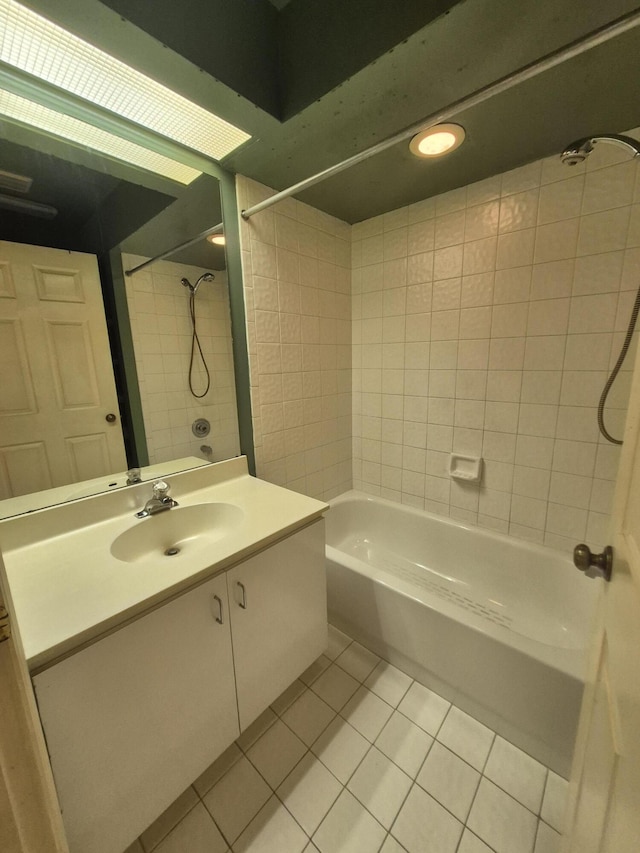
(133, 719)
(278, 603)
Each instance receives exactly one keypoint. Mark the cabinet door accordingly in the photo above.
(133, 719)
(278, 602)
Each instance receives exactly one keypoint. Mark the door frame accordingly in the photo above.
(29, 809)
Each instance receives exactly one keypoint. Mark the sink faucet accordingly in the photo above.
(159, 502)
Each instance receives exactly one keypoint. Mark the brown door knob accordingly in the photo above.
(593, 565)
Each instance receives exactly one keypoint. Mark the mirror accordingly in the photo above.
(119, 216)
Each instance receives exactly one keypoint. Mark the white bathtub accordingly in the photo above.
(498, 626)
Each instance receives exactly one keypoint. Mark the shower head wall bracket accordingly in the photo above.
(578, 151)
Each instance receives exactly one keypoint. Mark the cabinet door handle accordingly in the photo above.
(243, 603)
(219, 617)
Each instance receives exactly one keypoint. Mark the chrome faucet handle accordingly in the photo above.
(160, 489)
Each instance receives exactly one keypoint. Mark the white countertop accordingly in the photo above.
(68, 588)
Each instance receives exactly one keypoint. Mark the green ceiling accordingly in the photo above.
(317, 81)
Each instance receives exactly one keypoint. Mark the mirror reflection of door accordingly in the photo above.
(101, 207)
(59, 416)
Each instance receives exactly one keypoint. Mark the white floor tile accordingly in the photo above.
(257, 728)
(276, 753)
(196, 833)
(338, 642)
(380, 786)
(388, 682)
(341, 748)
(309, 791)
(547, 839)
(288, 697)
(404, 743)
(272, 830)
(358, 661)
(335, 687)
(501, 821)
(553, 803)
(163, 825)
(316, 669)
(308, 716)
(470, 843)
(466, 737)
(424, 826)
(367, 713)
(347, 793)
(449, 780)
(216, 771)
(237, 798)
(516, 773)
(349, 828)
(424, 707)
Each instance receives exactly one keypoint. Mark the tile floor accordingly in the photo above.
(356, 757)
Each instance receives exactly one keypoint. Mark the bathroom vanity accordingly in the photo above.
(148, 664)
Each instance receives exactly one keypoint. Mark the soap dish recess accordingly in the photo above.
(467, 469)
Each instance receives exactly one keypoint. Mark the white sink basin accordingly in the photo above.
(177, 532)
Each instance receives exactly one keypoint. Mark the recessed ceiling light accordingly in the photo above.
(77, 132)
(217, 239)
(45, 50)
(437, 140)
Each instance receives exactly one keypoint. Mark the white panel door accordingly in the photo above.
(134, 718)
(604, 802)
(278, 602)
(55, 372)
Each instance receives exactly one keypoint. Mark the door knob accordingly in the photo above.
(110, 418)
(593, 565)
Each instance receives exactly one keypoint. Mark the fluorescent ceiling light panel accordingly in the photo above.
(31, 208)
(72, 130)
(42, 48)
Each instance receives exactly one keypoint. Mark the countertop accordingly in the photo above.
(67, 587)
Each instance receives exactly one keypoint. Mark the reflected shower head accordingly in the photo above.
(207, 276)
(579, 150)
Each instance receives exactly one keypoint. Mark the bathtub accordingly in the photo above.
(497, 626)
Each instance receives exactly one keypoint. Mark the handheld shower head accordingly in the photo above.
(579, 150)
(207, 276)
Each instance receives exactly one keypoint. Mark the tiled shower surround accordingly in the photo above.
(296, 264)
(485, 322)
(161, 329)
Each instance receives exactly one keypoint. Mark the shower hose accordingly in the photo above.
(195, 341)
(612, 378)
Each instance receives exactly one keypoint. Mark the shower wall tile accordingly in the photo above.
(492, 334)
(161, 331)
(297, 285)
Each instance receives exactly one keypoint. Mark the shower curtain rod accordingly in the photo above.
(551, 60)
(216, 229)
